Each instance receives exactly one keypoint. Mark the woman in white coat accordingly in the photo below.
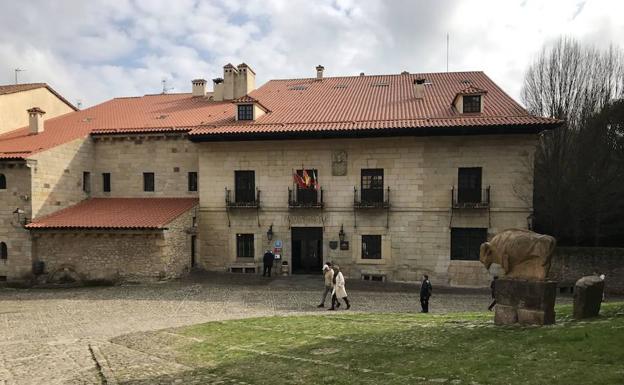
(339, 290)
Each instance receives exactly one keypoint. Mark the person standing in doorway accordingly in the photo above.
(425, 294)
(493, 289)
(339, 290)
(328, 276)
(268, 259)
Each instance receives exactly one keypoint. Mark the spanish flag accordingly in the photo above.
(298, 180)
(306, 178)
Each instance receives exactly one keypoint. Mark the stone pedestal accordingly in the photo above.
(588, 297)
(525, 302)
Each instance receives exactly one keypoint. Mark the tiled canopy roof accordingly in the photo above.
(374, 103)
(13, 88)
(150, 113)
(116, 213)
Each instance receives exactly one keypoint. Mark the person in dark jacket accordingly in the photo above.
(268, 259)
(425, 293)
(493, 289)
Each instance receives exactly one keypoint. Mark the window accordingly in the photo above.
(308, 195)
(2, 182)
(469, 185)
(86, 182)
(245, 112)
(106, 182)
(3, 251)
(148, 181)
(245, 186)
(472, 103)
(244, 245)
(372, 185)
(466, 243)
(192, 181)
(371, 246)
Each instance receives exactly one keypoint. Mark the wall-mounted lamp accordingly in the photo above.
(18, 214)
(530, 220)
(270, 233)
(341, 233)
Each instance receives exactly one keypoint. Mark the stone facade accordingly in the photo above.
(17, 195)
(117, 255)
(126, 158)
(420, 172)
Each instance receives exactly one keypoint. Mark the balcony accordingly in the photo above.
(470, 198)
(371, 198)
(242, 200)
(305, 198)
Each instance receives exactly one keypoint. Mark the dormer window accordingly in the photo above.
(472, 103)
(245, 112)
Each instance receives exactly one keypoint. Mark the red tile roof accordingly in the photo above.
(150, 113)
(13, 88)
(116, 213)
(374, 103)
(351, 104)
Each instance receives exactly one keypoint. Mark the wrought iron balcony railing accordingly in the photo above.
(299, 198)
(242, 200)
(470, 198)
(371, 198)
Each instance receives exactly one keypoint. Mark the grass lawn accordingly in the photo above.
(461, 348)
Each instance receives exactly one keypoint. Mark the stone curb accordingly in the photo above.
(102, 365)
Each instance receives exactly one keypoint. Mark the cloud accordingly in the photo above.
(95, 50)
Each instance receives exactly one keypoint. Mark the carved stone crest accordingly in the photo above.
(339, 163)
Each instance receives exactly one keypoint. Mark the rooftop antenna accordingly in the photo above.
(165, 89)
(17, 71)
(78, 103)
(447, 51)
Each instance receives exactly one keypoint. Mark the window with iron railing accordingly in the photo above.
(244, 186)
(372, 185)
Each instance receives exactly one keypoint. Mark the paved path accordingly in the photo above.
(45, 334)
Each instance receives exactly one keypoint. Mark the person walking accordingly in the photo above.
(493, 289)
(268, 259)
(328, 276)
(425, 294)
(339, 290)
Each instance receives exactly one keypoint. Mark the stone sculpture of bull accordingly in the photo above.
(522, 254)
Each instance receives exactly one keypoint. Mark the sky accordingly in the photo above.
(92, 51)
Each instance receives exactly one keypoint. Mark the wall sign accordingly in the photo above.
(278, 244)
(333, 245)
(344, 245)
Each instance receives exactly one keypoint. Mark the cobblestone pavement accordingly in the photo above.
(45, 334)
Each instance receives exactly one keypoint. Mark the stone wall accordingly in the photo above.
(420, 173)
(126, 158)
(571, 263)
(57, 176)
(178, 244)
(16, 195)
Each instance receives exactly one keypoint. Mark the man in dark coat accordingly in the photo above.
(268, 259)
(425, 293)
(493, 289)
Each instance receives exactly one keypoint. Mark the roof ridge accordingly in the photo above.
(374, 75)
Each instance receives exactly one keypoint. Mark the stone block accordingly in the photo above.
(536, 317)
(505, 315)
(588, 293)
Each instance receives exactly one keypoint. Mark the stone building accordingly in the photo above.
(389, 176)
(16, 98)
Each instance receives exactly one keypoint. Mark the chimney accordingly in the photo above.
(199, 87)
(230, 75)
(245, 80)
(35, 120)
(419, 88)
(319, 72)
(217, 89)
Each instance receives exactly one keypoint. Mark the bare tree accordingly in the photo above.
(572, 82)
